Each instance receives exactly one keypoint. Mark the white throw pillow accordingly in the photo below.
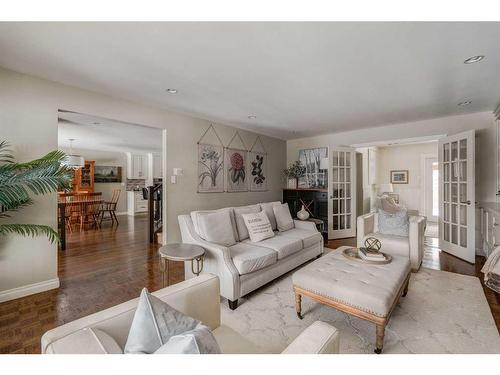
(85, 341)
(217, 227)
(258, 225)
(195, 215)
(240, 223)
(268, 209)
(155, 322)
(284, 219)
(197, 341)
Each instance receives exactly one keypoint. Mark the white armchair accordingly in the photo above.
(198, 298)
(411, 246)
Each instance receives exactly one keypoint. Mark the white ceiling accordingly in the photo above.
(298, 78)
(97, 133)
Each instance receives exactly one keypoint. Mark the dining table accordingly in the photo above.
(75, 201)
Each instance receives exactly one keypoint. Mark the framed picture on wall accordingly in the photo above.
(257, 170)
(399, 177)
(107, 174)
(316, 175)
(236, 173)
(210, 168)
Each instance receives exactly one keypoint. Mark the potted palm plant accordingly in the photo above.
(19, 181)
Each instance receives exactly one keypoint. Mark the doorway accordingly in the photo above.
(430, 187)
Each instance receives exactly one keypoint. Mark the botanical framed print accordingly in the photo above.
(257, 169)
(236, 170)
(210, 168)
(399, 177)
(107, 174)
(315, 177)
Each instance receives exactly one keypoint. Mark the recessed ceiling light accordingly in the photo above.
(474, 59)
(172, 91)
(252, 117)
(463, 104)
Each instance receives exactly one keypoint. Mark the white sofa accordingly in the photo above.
(247, 266)
(198, 298)
(411, 246)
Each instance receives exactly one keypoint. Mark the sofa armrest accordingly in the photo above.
(365, 225)
(217, 259)
(307, 225)
(318, 338)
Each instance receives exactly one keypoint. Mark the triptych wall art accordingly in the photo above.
(230, 169)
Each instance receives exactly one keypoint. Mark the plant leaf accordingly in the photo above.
(30, 230)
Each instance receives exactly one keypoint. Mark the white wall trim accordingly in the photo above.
(27, 290)
(121, 213)
(423, 181)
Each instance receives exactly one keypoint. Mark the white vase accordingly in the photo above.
(292, 183)
(303, 214)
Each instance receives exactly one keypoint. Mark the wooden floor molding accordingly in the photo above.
(103, 268)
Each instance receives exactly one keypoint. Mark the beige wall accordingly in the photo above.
(405, 157)
(115, 159)
(28, 119)
(482, 122)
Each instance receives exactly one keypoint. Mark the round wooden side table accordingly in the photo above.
(181, 252)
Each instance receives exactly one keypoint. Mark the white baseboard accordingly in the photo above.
(27, 290)
(121, 213)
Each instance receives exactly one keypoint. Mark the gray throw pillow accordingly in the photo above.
(197, 341)
(284, 219)
(396, 224)
(154, 324)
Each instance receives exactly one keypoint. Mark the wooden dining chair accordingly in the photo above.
(89, 213)
(110, 207)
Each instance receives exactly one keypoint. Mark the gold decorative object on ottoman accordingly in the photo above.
(365, 290)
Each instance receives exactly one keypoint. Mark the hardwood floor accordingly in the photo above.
(103, 268)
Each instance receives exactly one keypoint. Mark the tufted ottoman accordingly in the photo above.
(367, 291)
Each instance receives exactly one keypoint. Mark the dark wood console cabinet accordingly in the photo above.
(317, 199)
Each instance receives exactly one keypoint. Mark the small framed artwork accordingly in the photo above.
(107, 174)
(399, 177)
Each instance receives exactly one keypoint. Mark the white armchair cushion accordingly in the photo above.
(217, 227)
(240, 223)
(197, 341)
(396, 224)
(85, 341)
(284, 219)
(318, 338)
(155, 322)
(258, 226)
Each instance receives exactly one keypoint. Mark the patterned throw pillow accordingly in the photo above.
(396, 224)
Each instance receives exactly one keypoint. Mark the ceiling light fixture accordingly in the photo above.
(73, 161)
(252, 117)
(463, 104)
(474, 59)
(172, 91)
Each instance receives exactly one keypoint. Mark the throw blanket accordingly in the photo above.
(491, 270)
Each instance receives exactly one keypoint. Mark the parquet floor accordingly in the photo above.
(103, 268)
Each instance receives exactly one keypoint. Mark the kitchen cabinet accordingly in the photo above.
(136, 204)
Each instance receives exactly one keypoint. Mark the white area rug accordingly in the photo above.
(442, 313)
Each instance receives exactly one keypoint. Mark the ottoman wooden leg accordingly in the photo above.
(298, 305)
(380, 338)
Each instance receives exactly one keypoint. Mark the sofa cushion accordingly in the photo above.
(284, 219)
(283, 245)
(268, 209)
(308, 237)
(216, 227)
(240, 223)
(85, 341)
(195, 215)
(393, 245)
(154, 323)
(247, 257)
(258, 225)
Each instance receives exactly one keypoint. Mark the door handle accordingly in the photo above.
(466, 202)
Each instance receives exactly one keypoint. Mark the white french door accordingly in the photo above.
(457, 195)
(342, 193)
